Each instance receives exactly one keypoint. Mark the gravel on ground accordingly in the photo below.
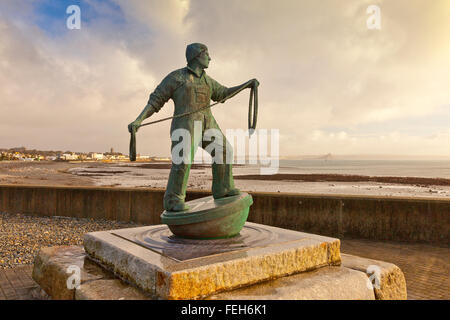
(22, 236)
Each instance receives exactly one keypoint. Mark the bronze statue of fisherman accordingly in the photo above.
(192, 89)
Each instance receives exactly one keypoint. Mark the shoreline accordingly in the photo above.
(332, 177)
(155, 175)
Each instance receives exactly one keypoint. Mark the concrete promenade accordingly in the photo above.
(425, 267)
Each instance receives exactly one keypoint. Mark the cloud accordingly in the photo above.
(392, 142)
(70, 93)
(318, 65)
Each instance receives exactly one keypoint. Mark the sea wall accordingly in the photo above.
(368, 217)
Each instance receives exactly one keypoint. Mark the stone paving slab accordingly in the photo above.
(17, 284)
(54, 266)
(327, 283)
(108, 289)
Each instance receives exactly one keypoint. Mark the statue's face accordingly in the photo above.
(204, 59)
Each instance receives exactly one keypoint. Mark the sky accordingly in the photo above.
(328, 83)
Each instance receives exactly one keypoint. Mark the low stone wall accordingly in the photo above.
(369, 217)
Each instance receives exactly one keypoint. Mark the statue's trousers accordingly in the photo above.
(203, 132)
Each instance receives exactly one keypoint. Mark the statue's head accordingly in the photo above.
(198, 52)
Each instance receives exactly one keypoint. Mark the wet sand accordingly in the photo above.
(42, 173)
(418, 181)
(148, 175)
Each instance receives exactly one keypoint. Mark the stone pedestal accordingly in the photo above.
(169, 267)
(261, 263)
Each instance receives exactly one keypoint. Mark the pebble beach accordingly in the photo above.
(22, 236)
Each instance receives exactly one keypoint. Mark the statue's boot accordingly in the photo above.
(233, 192)
(223, 183)
(181, 206)
(176, 188)
(229, 193)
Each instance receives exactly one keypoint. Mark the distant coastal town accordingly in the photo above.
(23, 154)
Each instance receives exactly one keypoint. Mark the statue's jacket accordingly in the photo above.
(189, 91)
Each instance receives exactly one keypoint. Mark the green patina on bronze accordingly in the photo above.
(210, 218)
(192, 89)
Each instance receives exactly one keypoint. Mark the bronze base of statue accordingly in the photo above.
(209, 218)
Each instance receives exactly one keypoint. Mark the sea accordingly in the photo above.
(397, 168)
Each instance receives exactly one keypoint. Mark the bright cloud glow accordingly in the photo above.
(327, 82)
